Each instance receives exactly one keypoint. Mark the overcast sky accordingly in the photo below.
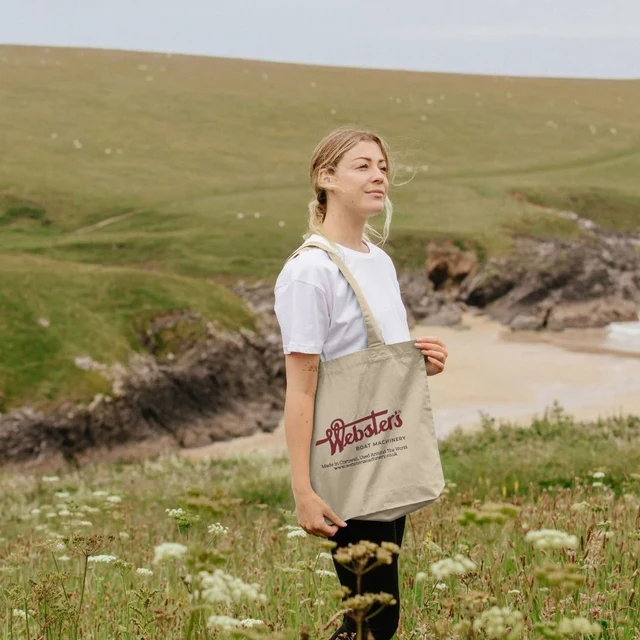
(577, 38)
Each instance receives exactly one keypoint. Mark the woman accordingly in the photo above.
(320, 319)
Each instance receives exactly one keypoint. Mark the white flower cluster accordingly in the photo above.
(578, 626)
(458, 565)
(141, 571)
(167, 550)
(227, 623)
(220, 586)
(551, 539)
(174, 513)
(102, 559)
(500, 622)
(297, 533)
(325, 572)
(216, 529)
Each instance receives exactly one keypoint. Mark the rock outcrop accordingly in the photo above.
(227, 385)
(558, 284)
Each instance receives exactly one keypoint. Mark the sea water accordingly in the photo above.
(623, 335)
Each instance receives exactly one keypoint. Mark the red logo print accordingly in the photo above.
(341, 435)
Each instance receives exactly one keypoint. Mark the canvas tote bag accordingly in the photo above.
(374, 453)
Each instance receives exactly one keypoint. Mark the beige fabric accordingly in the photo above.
(374, 453)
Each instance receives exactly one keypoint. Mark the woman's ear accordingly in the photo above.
(326, 178)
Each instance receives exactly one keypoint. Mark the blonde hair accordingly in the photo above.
(327, 155)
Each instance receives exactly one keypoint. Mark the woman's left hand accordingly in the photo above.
(434, 352)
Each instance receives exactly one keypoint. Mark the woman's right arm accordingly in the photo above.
(302, 382)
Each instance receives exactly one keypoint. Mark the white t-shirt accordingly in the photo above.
(318, 311)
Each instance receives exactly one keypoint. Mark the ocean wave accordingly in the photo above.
(623, 330)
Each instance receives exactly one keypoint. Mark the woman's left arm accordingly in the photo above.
(434, 352)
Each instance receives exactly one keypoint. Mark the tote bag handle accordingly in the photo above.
(374, 335)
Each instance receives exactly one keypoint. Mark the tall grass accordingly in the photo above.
(77, 548)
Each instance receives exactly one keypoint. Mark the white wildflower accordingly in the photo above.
(500, 622)
(240, 216)
(578, 626)
(167, 550)
(123, 535)
(19, 613)
(64, 512)
(256, 214)
(36, 512)
(421, 576)
(596, 484)
(324, 555)
(324, 572)
(174, 513)
(64, 558)
(141, 571)
(514, 591)
(83, 523)
(114, 499)
(297, 533)
(105, 559)
(100, 494)
(440, 586)
(43, 322)
(227, 623)
(551, 539)
(216, 529)
(598, 475)
(281, 223)
(62, 494)
(220, 586)
(50, 479)
(458, 565)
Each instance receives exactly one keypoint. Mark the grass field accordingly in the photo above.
(175, 147)
(582, 480)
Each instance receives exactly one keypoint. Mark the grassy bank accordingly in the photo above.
(169, 150)
(581, 479)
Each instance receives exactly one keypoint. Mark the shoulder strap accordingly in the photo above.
(374, 335)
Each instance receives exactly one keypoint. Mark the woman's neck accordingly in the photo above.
(344, 230)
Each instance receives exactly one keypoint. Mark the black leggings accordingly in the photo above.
(384, 578)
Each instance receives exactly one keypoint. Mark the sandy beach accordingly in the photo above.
(509, 376)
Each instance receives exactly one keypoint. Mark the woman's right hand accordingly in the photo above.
(311, 511)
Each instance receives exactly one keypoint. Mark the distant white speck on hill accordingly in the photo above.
(54, 136)
(613, 131)
(281, 223)
(77, 144)
(240, 216)
(142, 67)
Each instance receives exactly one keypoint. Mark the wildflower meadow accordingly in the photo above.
(536, 536)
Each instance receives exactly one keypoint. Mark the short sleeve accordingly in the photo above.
(303, 315)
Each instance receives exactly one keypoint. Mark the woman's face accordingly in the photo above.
(360, 181)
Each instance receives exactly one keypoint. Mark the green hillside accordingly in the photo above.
(175, 147)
